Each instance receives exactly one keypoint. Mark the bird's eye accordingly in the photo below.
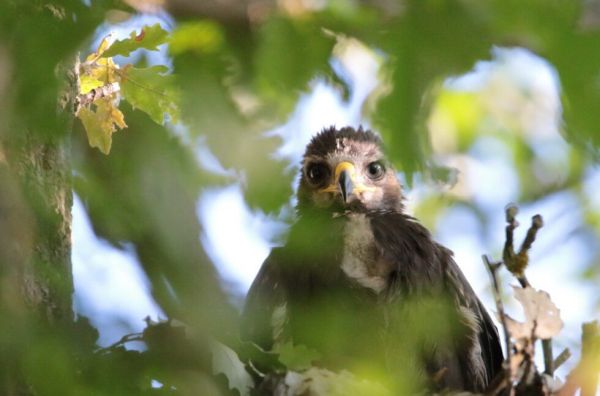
(317, 173)
(375, 170)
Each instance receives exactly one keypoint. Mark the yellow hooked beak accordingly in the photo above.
(345, 181)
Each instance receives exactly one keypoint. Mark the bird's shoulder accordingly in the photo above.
(485, 340)
(264, 296)
(422, 260)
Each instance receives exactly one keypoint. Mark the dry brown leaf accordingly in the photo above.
(542, 317)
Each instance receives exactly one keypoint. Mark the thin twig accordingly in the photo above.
(95, 94)
(548, 358)
(521, 260)
(125, 339)
(498, 385)
(529, 369)
(536, 223)
(508, 255)
(492, 268)
(561, 358)
(517, 263)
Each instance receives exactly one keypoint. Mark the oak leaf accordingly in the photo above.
(100, 123)
(150, 37)
(152, 91)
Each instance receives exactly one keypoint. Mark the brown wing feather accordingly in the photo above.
(423, 266)
(264, 296)
(486, 332)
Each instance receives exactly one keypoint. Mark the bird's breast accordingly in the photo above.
(361, 260)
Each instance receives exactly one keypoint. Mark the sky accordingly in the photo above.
(112, 290)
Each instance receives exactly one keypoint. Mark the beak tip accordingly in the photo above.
(346, 185)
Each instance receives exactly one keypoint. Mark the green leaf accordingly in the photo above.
(202, 37)
(149, 38)
(290, 53)
(297, 357)
(226, 361)
(151, 91)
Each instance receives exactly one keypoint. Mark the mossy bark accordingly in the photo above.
(43, 175)
(36, 283)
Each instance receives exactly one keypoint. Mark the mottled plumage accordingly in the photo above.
(363, 283)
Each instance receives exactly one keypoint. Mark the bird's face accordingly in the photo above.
(352, 175)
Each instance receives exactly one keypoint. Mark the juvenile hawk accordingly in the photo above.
(364, 284)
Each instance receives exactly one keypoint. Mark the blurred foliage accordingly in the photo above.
(237, 79)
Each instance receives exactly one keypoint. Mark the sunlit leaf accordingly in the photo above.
(200, 37)
(96, 70)
(454, 120)
(104, 45)
(151, 91)
(101, 123)
(88, 83)
(94, 74)
(150, 37)
(226, 361)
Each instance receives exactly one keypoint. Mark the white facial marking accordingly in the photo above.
(360, 261)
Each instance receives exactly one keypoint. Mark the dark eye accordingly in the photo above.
(375, 170)
(317, 173)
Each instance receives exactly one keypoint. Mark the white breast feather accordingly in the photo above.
(358, 262)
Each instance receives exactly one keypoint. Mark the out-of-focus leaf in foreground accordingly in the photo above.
(297, 357)
(200, 37)
(290, 53)
(319, 381)
(226, 361)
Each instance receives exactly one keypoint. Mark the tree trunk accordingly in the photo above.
(38, 173)
(35, 232)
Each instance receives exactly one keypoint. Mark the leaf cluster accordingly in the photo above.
(102, 84)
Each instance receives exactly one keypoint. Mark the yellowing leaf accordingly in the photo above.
(104, 44)
(101, 123)
(101, 72)
(105, 70)
(150, 37)
(200, 37)
(542, 317)
(151, 91)
(88, 83)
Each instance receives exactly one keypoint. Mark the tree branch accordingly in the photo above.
(506, 375)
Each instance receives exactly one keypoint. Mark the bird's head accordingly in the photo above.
(345, 170)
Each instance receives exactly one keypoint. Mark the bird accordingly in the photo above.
(364, 284)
